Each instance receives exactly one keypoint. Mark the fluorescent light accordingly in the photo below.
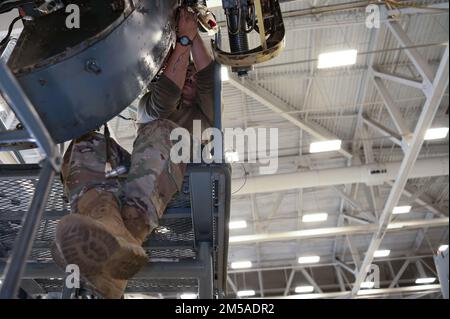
(442, 248)
(337, 59)
(382, 253)
(312, 218)
(213, 3)
(304, 289)
(246, 293)
(436, 133)
(188, 295)
(241, 265)
(231, 157)
(368, 284)
(395, 226)
(429, 280)
(401, 210)
(237, 224)
(309, 260)
(134, 296)
(224, 74)
(325, 146)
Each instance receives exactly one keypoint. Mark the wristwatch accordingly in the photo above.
(184, 41)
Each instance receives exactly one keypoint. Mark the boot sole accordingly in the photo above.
(108, 292)
(91, 247)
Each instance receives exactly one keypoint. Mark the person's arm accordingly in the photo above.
(164, 95)
(202, 57)
(179, 60)
(204, 65)
(177, 65)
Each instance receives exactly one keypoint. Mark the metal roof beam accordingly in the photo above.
(393, 110)
(393, 136)
(283, 109)
(434, 96)
(335, 231)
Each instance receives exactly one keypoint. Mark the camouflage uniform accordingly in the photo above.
(153, 179)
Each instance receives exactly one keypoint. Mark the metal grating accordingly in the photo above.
(171, 254)
(136, 286)
(172, 242)
(163, 285)
(16, 196)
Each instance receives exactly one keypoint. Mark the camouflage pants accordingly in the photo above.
(152, 179)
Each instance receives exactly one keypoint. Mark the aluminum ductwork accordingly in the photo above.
(374, 174)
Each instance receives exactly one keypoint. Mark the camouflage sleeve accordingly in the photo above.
(163, 98)
(205, 93)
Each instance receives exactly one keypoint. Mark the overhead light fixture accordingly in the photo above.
(188, 295)
(213, 3)
(241, 265)
(134, 296)
(368, 284)
(429, 280)
(224, 74)
(309, 260)
(401, 210)
(304, 289)
(337, 59)
(231, 157)
(246, 293)
(325, 146)
(395, 226)
(382, 253)
(313, 218)
(436, 133)
(237, 224)
(442, 248)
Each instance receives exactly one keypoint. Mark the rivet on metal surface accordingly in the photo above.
(92, 66)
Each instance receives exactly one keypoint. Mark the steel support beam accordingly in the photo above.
(367, 292)
(398, 79)
(394, 112)
(434, 97)
(310, 280)
(356, 219)
(345, 266)
(289, 282)
(355, 204)
(283, 109)
(336, 231)
(232, 286)
(393, 136)
(421, 64)
(423, 200)
(441, 262)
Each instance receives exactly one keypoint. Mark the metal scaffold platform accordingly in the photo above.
(188, 252)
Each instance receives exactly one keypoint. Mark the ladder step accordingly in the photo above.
(15, 140)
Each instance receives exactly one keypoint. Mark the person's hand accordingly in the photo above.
(187, 24)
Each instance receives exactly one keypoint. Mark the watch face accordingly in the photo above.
(184, 41)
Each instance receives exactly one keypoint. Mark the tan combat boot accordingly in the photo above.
(97, 240)
(137, 222)
(103, 284)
